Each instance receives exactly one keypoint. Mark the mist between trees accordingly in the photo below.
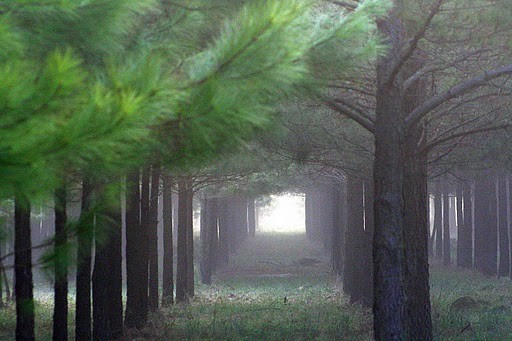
(123, 120)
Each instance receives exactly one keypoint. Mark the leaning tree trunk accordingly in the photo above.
(168, 271)
(154, 295)
(84, 265)
(503, 229)
(24, 286)
(60, 312)
(446, 229)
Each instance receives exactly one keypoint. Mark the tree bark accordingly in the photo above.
(168, 270)
(60, 312)
(24, 285)
(223, 251)
(84, 265)
(154, 295)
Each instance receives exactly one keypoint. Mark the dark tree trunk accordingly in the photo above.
(60, 312)
(339, 214)
(438, 221)
(84, 266)
(503, 237)
(251, 217)
(154, 296)
(136, 266)
(223, 251)
(486, 230)
(168, 271)
(209, 241)
(400, 250)
(465, 238)
(107, 274)
(446, 229)
(353, 276)
(190, 240)
(460, 223)
(24, 286)
(182, 266)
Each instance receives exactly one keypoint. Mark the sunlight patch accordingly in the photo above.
(283, 214)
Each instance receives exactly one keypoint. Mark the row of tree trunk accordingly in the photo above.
(483, 222)
(225, 223)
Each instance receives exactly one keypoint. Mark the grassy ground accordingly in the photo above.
(279, 287)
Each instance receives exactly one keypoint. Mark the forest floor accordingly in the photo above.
(280, 287)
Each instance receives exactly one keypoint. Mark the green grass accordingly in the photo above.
(266, 294)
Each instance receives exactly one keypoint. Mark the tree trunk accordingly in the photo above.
(168, 271)
(60, 312)
(339, 214)
(84, 266)
(503, 221)
(460, 224)
(465, 240)
(486, 236)
(223, 252)
(136, 266)
(182, 266)
(154, 296)
(209, 239)
(355, 278)
(107, 274)
(24, 286)
(438, 220)
(446, 229)
(190, 240)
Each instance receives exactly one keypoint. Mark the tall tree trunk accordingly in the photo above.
(339, 214)
(136, 267)
(209, 240)
(107, 273)
(84, 266)
(465, 239)
(460, 223)
(251, 217)
(24, 286)
(446, 229)
(400, 248)
(486, 236)
(503, 231)
(438, 220)
(223, 252)
(182, 266)
(354, 274)
(154, 295)
(168, 270)
(60, 312)
(190, 240)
